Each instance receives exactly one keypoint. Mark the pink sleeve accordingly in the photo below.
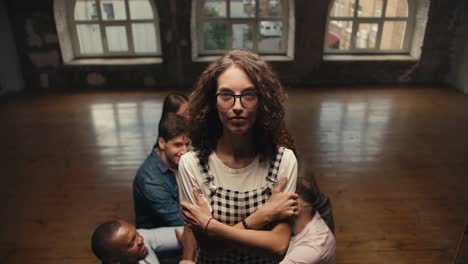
(302, 254)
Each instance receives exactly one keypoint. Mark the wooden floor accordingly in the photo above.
(393, 160)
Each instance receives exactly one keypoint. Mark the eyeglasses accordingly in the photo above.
(226, 100)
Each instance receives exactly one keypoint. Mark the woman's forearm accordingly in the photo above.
(274, 242)
(257, 220)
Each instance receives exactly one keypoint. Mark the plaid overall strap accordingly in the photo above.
(208, 180)
(272, 177)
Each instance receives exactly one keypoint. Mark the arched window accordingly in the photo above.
(371, 26)
(260, 25)
(108, 28)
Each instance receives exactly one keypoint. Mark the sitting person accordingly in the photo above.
(155, 192)
(312, 241)
(321, 201)
(175, 103)
(117, 241)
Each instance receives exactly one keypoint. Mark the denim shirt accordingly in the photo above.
(155, 195)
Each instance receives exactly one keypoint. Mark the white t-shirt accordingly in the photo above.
(251, 177)
(313, 245)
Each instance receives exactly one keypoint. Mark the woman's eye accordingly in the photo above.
(249, 96)
(226, 96)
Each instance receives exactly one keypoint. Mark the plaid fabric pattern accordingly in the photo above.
(230, 206)
(274, 166)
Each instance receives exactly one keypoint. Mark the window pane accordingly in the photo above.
(116, 38)
(214, 35)
(397, 8)
(366, 35)
(342, 8)
(140, 9)
(339, 34)
(242, 8)
(144, 37)
(270, 37)
(370, 8)
(242, 36)
(393, 35)
(89, 38)
(85, 10)
(113, 10)
(271, 8)
(214, 8)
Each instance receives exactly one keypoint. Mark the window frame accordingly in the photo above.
(356, 21)
(198, 21)
(127, 23)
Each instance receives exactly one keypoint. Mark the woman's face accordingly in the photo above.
(237, 117)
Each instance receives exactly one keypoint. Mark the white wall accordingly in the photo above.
(459, 73)
(10, 74)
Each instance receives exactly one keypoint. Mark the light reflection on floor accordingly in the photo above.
(125, 132)
(353, 131)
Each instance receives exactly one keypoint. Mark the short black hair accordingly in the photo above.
(171, 126)
(101, 236)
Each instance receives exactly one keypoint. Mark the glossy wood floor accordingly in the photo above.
(393, 160)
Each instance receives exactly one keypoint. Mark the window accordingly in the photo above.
(260, 25)
(370, 27)
(113, 28)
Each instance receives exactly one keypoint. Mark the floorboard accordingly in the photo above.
(394, 161)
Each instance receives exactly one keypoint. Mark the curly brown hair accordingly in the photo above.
(205, 128)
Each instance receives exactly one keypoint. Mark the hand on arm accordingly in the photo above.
(280, 206)
(197, 217)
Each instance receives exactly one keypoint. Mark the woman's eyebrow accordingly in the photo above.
(249, 89)
(225, 89)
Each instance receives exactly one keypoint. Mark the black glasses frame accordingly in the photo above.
(235, 96)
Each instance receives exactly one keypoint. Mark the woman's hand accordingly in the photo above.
(196, 215)
(281, 205)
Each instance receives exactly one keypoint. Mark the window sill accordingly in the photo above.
(119, 61)
(380, 57)
(264, 57)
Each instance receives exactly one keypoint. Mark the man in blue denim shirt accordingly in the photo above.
(155, 193)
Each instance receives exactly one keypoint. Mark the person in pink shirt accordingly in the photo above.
(312, 241)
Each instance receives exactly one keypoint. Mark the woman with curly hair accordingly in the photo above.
(241, 150)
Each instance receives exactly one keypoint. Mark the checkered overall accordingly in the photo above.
(230, 206)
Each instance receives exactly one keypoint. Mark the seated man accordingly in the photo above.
(155, 193)
(117, 241)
